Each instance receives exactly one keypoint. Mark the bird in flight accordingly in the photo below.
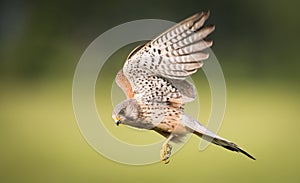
(154, 81)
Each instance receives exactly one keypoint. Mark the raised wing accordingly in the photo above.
(178, 52)
(157, 71)
(172, 56)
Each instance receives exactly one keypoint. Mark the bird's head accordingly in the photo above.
(126, 112)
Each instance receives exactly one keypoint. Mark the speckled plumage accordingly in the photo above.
(154, 80)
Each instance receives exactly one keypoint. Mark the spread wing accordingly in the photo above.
(178, 52)
(157, 71)
(171, 57)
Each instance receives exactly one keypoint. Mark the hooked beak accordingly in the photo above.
(117, 119)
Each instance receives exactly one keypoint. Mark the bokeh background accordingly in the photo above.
(256, 42)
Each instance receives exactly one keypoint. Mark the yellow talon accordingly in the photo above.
(165, 153)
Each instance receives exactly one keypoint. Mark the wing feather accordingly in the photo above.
(173, 56)
(181, 30)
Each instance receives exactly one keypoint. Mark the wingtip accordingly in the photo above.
(210, 43)
(207, 13)
(202, 14)
(212, 27)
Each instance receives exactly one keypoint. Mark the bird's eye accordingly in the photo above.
(122, 112)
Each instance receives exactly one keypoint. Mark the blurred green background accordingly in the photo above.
(256, 43)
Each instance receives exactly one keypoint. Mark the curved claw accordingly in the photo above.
(165, 153)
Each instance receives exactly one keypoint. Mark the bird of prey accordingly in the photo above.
(154, 81)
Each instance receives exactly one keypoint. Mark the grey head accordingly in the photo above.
(126, 112)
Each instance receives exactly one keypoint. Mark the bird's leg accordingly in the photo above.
(165, 151)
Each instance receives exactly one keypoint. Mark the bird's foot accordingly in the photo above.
(165, 153)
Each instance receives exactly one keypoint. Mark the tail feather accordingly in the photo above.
(207, 135)
(224, 143)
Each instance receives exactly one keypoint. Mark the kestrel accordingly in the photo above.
(154, 80)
